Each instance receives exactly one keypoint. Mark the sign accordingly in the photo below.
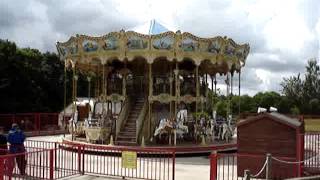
(129, 159)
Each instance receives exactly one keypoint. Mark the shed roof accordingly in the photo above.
(292, 122)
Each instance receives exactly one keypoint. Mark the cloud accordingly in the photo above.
(282, 35)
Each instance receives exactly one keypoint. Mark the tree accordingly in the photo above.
(267, 99)
(30, 81)
(292, 88)
(305, 93)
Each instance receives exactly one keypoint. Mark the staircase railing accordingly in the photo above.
(123, 115)
(141, 119)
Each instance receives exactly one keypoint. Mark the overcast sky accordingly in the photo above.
(282, 35)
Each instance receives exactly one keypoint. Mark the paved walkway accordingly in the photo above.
(189, 168)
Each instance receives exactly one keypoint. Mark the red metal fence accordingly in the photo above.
(150, 163)
(39, 162)
(312, 153)
(226, 166)
(49, 160)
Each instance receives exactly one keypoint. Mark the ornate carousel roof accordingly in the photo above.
(173, 46)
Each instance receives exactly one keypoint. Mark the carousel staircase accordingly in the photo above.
(127, 134)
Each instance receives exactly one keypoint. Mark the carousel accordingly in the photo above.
(151, 88)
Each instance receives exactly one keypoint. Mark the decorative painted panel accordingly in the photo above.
(214, 46)
(73, 48)
(63, 50)
(110, 43)
(165, 42)
(189, 44)
(90, 46)
(229, 49)
(135, 42)
(242, 52)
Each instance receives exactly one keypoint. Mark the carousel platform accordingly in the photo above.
(185, 149)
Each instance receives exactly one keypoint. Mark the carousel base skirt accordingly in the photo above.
(179, 149)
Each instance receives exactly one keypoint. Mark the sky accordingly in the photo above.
(283, 34)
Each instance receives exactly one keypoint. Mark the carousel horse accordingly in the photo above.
(159, 130)
(211, 131)
(73, 121)
(182, 115)
(200, 129)
(181, 129)
(227, 130)
(75, 126)
(166, 126)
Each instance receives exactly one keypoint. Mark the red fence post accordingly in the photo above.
(213, 165)
(301, 154)
(55, 154)
(83, 150)
(38, 122)
(79, 158)
(51, 163)
(2, 168)
(173, 164)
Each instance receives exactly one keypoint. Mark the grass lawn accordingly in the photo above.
(312, 125)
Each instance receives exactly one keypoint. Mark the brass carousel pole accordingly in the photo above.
(150, 95)
(227, 93)
(89, 88)
(73, 98)
(231, 92)
(197, 91)
(64, 96)
(206, 90)
(103, 85)
(124, 88)
(170, 81)
(212, 97)
(215, 84)
(231, 84)
(239, 111)
(177, 92)
(99, 82)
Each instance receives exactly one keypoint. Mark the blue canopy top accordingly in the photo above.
(151, 28)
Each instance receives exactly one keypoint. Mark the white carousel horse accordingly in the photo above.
(227, 132)
(73, 121)
(212, 132)
(161, 126)
(182, 115)
(181, 129)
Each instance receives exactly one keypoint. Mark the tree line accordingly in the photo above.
(32, 81)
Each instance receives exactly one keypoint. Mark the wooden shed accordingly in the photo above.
(272, 133)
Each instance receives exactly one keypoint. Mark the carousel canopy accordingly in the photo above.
(216, 54)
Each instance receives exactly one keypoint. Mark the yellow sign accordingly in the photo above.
(129, 159)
